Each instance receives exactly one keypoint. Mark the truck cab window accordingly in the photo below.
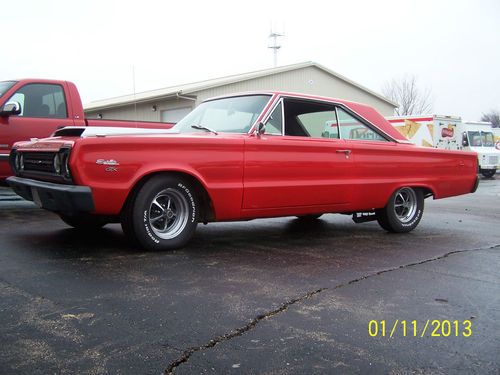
(5, 85)
(481, 139)
(41, 101)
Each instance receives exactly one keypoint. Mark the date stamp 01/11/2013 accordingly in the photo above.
(414, 328)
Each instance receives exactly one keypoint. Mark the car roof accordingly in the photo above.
(364, 111)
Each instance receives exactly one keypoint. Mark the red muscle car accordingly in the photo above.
(239, 157)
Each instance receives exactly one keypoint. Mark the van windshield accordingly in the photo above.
(231, 115)
(5, 85)
(481, 139)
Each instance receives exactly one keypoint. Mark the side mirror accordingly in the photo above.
(10, 108)
(465, 142)
(261, 129)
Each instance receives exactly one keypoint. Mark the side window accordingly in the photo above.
(274, 124)
(352, 128)
(41, 100)
(306, 118)
(320, 124)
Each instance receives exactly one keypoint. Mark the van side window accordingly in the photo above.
(41, 101)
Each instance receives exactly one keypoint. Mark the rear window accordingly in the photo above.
(5, 85)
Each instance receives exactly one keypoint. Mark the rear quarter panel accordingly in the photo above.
(382, 168)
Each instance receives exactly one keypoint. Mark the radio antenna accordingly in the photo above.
(135, 101)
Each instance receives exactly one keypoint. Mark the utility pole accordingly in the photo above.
(275, 46)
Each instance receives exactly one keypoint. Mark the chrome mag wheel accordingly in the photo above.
(405, 204)
(403, 211)
(168, 213)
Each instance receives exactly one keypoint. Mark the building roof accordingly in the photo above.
(191, 88)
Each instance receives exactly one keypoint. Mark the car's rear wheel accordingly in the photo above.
(403, 211)
(163, 215)
(488, 173)
(83, 222)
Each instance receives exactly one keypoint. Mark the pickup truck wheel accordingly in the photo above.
(83, 222)
(403, 211)
(488, 173)
(163, 215)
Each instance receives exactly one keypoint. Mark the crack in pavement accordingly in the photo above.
(238, 331)
(283, 307)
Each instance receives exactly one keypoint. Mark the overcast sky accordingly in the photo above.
(453, 47)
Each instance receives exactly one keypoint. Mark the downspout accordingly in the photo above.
(179, 96)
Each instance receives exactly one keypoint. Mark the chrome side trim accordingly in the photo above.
(4, 157)
(338, 125)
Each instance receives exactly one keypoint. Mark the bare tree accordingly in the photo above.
(493, 117)
(405, 92)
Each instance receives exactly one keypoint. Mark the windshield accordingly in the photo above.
(230, 115)
(481, 139)
(5, 85)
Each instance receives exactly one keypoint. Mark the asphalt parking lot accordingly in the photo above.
(270, 296)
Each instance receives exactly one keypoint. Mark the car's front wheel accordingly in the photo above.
(403, 211)
(163, 215)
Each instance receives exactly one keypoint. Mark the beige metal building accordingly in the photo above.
(170, 104)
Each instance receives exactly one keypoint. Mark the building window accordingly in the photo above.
(174, 115)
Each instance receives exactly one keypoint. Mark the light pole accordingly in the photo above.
(275, 46)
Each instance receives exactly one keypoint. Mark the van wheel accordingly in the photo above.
(83, 222)
(403, 211)
(163, 215)
(488, 173)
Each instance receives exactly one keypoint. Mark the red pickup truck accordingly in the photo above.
(35, 108)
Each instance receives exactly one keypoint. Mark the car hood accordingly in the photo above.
(66, 137)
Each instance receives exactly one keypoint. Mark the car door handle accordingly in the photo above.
(347, 153)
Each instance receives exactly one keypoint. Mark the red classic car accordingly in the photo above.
(239, 157)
